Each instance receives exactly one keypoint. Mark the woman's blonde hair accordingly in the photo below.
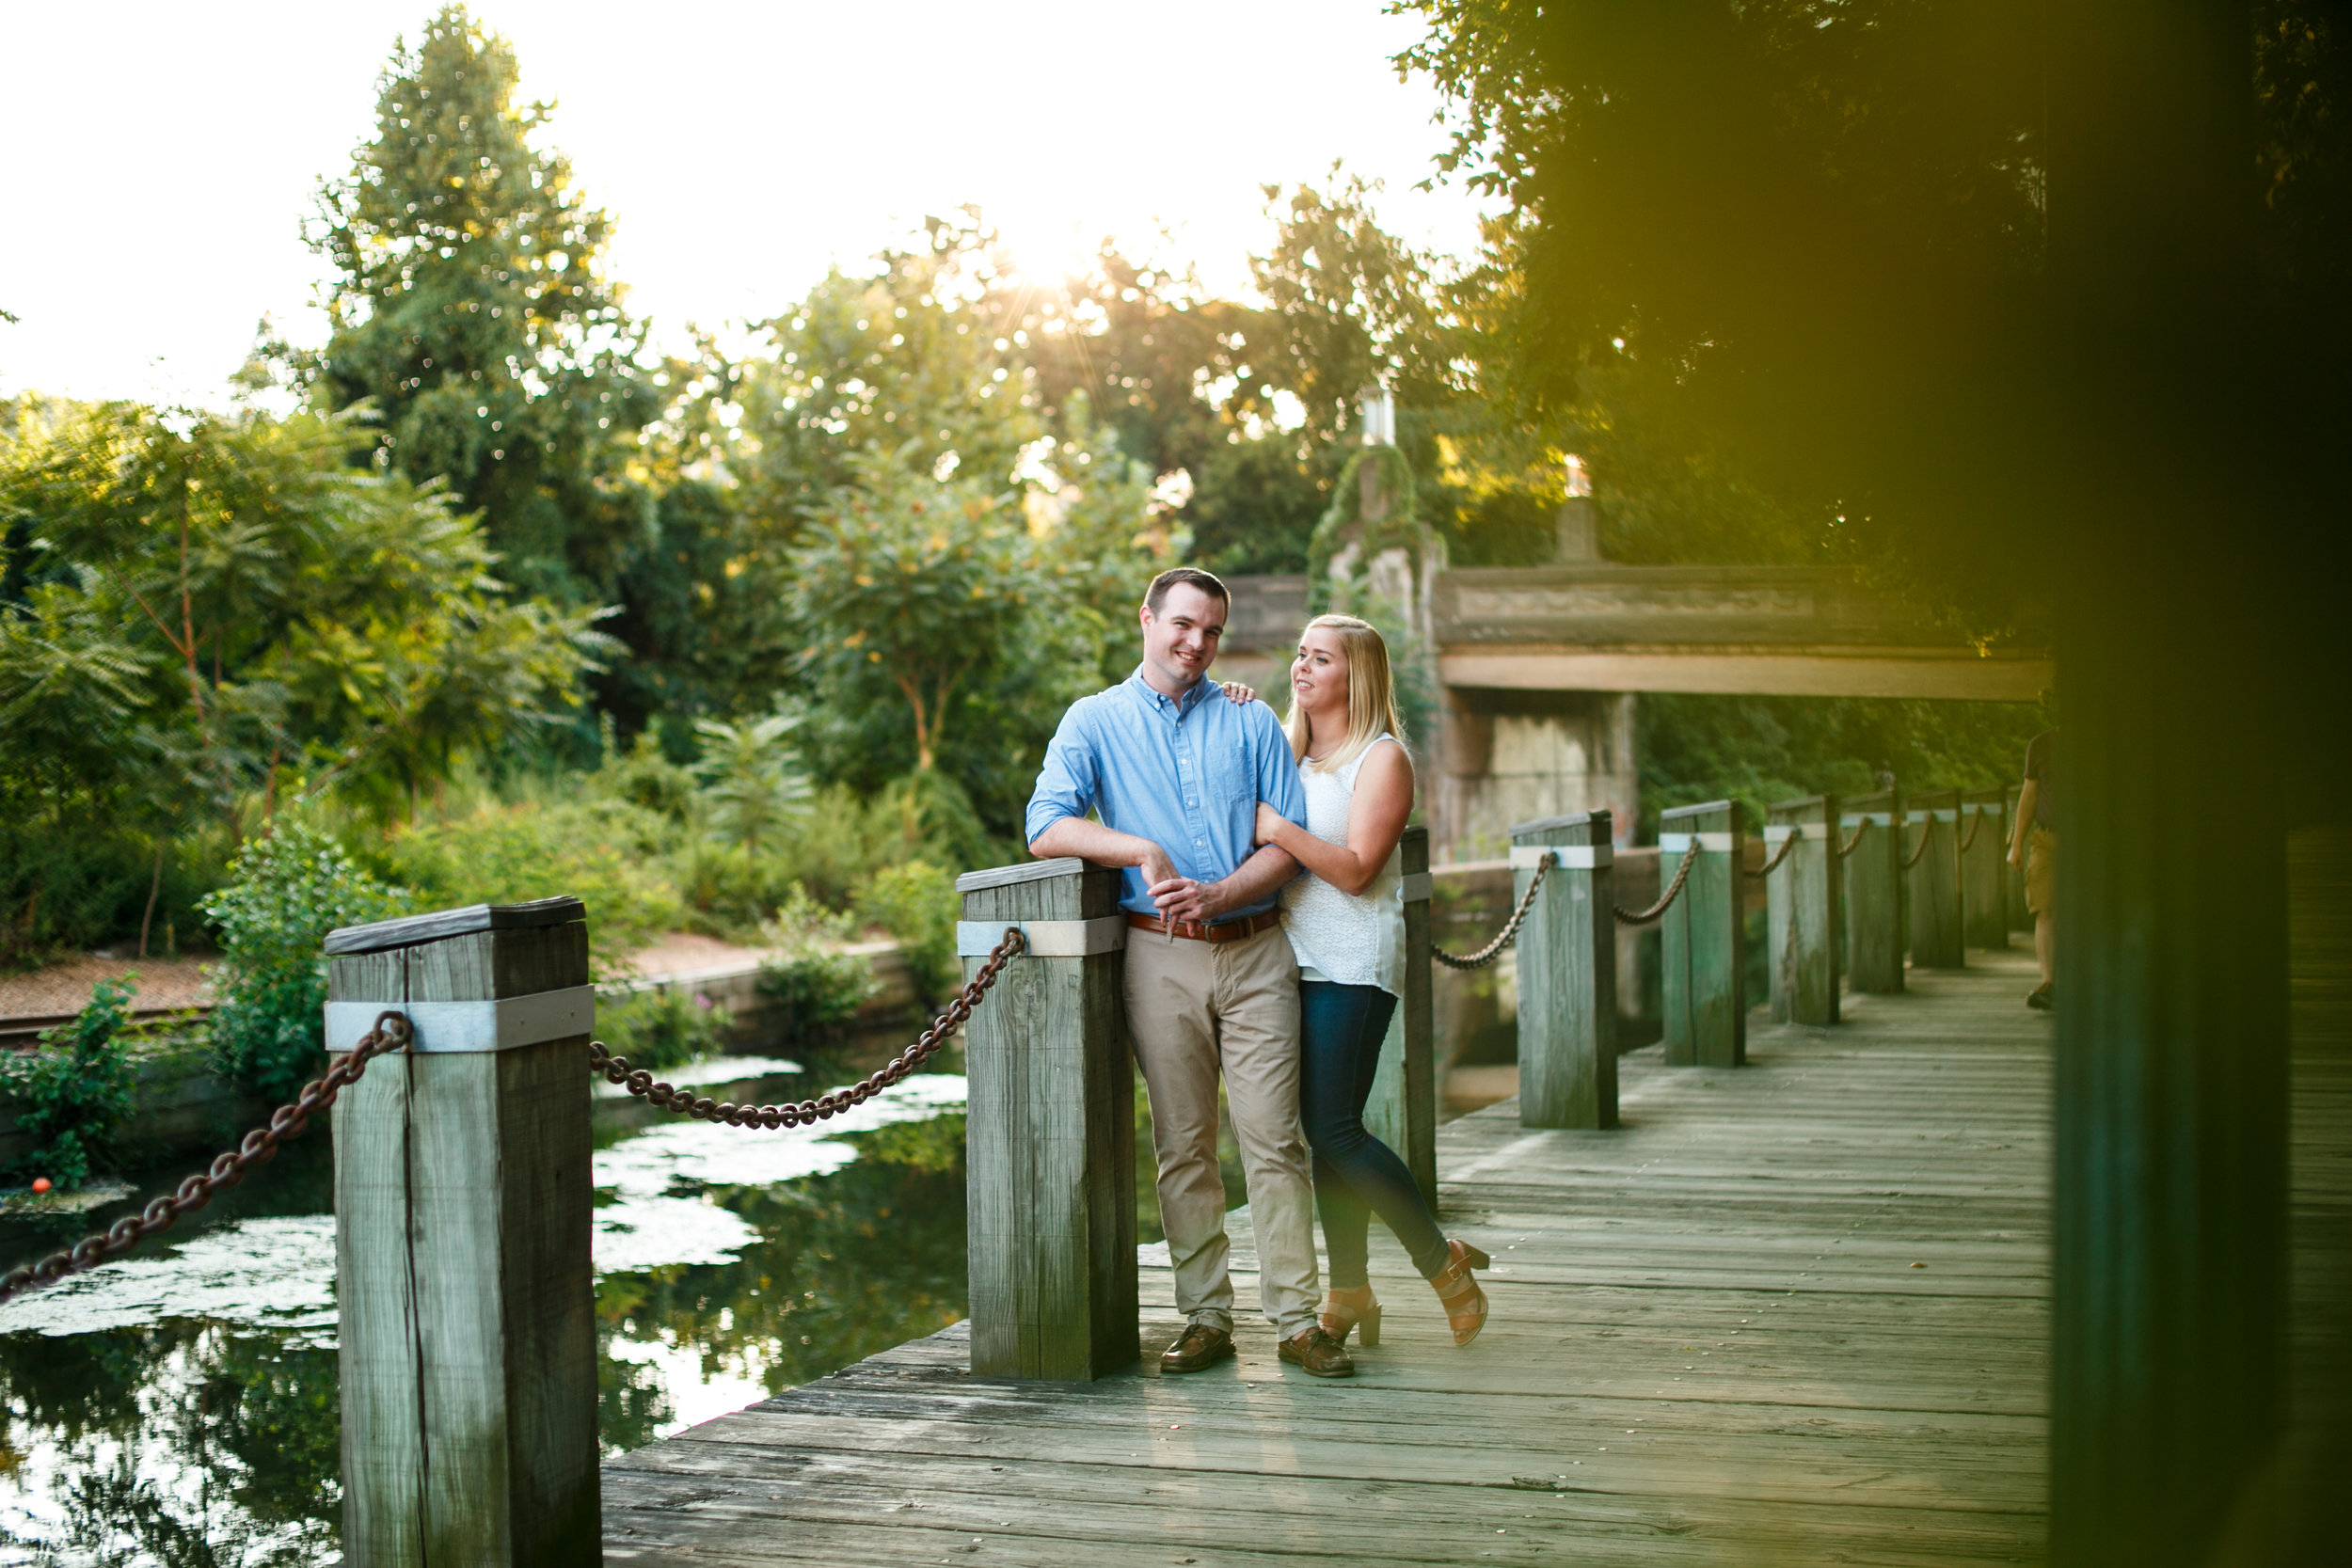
(1371, 694)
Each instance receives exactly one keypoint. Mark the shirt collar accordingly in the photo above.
(1160, 702)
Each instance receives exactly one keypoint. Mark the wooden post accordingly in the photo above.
(1985, 868)
(1403, 1110)
(1931, 886)
(1567, 966)
(2014, 877)
(1050, 1139)
(1872, 873)
(1702, 947)
(1803, 897)
(462, 1270)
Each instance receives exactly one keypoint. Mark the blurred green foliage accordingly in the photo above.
(917, 904)
(661, 1028)
(74, 1091)
(1760, 749)
(818, 987)
(287, 890)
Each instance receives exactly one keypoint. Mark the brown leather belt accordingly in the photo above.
(1230, 931)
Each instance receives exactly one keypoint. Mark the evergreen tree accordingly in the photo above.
(471, 308)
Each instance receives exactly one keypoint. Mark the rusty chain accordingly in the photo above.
(643, 1083)
(1847, 848)
(257, 1147)
(1926, 831)
(1773, 865)
(1682, 875)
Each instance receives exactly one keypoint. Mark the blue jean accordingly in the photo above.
(1357, 1174)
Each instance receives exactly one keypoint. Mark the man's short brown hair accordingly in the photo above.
(1156, 595)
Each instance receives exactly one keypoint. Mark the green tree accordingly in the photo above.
(471, 309)
(913, 590)
(752, 779)
(223, 598)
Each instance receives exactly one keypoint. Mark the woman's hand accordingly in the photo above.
(1236, 692)
(1270, 822)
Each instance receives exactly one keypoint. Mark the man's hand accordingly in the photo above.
(1156, 867)
(2017, 854)
(1182, 898)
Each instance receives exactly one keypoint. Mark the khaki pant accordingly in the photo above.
(1195, 1008)
(2041, 869)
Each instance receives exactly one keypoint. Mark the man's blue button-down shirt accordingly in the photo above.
(1185, 773)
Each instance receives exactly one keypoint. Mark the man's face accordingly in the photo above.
(1179, 638)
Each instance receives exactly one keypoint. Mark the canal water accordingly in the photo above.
(177, 1407)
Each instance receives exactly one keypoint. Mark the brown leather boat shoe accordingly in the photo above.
(1199, 1348)
(1317, 1355)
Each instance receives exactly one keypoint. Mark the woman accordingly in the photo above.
(1346, 925)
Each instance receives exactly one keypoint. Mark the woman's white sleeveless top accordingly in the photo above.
(1350, 938)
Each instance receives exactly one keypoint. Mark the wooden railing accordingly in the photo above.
(462, 1166)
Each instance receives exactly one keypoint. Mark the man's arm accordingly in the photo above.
(1255, 879)
(1091, 841)
(2028, 798)
(1264, 873)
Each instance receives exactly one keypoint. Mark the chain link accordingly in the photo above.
(258, 1146)
(1493, 950)
(1847, 848)
(1682, 875)
(1773, 865)
(640, 1083)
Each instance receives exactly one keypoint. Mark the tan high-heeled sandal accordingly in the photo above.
(1352, 1306)
(1464, 1303)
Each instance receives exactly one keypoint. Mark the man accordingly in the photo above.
(1176, 772)
(2033, 847)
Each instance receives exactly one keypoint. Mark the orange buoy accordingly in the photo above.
(41, 1183)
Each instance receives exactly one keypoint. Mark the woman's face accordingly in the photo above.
(1319, 673)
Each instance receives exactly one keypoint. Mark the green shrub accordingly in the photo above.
(917, 905)
(70, 889)
(658, 1029)
(602, 852)
(819, 988)
(288, 889)
(645, 778)
(74, 1090)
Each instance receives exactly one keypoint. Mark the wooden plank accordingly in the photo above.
(1702, 944)
(413, 930)
(1707, 1344)
(1028, 871)
(1050, 1143)
(1984, 866)
(463, 1272)
(1803, 913)
(1402, 1111)
(382, 1437)
(1567, 980)
(1872, 872)
(1931, 885)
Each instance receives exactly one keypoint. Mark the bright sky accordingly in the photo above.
(163, 155)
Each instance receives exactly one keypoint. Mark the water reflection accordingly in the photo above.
(178, 1407)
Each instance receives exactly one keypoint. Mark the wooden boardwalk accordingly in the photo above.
(1793, 1313)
